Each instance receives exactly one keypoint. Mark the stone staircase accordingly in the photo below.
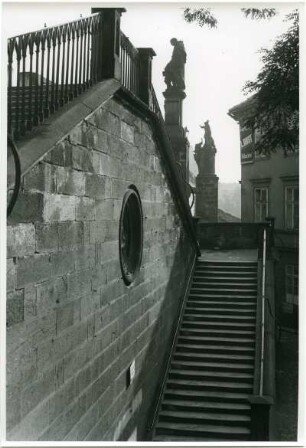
(212, 367)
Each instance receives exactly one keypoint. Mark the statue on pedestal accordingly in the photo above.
(204, 154)
(174, 70)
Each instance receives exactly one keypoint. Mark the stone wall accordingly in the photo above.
(74, 327)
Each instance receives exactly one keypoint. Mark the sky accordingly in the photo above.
(219, 61)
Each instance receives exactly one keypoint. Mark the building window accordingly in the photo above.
(130, 235)
(260, 204)
(291, 207)
(292, 283)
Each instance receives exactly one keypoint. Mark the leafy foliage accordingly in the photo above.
(277, 91)
(255, 13)
(202, 16)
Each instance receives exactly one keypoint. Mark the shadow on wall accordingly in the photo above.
(151, 363)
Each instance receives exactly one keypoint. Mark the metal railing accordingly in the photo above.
(48, 68)
(129, 60)
(263, 306)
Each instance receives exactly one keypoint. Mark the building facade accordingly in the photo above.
(270, 188)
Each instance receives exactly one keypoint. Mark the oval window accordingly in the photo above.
(130, 235)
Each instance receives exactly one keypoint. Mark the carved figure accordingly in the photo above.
(204, 154)
(174, 70)
(209, 141)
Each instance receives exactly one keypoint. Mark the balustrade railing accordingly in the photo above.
(48, 68)
(129, 60)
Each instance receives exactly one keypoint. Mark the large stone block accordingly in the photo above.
(59, 208)
(85, 209)
(47, 239)
(11, 277)
(20, 240)
(95, 186)
(82, 159)
(79, 283)
(63, 262)
(65, 316)
(71, 235)
(106, 121)
(35, 268)
(29, 207)
(40, 178)
(60, 154)
(15, 307)
(127, 132)
(51, 294)
(70, 182)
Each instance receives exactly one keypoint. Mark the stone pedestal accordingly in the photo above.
(206, 204)
(173, 120)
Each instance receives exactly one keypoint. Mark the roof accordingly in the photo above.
(243, 110)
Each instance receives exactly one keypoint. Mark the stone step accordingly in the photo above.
(215, 406)
(203, 417)
(206, 311)
(222, 326)
(192, 429)
(213, 366)
(229, 278)
(218, 340)
(189, 316)
(223, 297)
(215, 331)
(224, 285)
(219, 304)
(225, 291)
(215, 375)
(207, 396)
(227, 358)
(214, 348)
(219, 386)
(199, 439)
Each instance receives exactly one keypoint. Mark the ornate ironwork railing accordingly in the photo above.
(49, 67)
(129, 59)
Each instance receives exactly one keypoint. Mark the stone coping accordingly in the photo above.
(34, 146)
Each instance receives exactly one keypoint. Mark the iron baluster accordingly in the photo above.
(76, 62)
(24, 45)
(72, 60)
(64, 61)
(85, 58)
(30, 112)
(42, 66)
(66, 96)
(58, 68)
(10, 51)
(47, 100)
(17, 101)
(53, 39)
(80, 87)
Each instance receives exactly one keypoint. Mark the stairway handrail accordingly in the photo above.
(151, 425)
(263, 289)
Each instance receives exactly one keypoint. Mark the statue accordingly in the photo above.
(174, 70)
(209, 141)
(204, 154)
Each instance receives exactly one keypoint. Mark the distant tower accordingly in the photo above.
(206, 206)
(174, 74)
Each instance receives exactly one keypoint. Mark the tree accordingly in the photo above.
(276, 87)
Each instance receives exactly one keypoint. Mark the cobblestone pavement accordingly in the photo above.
(286, 402)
